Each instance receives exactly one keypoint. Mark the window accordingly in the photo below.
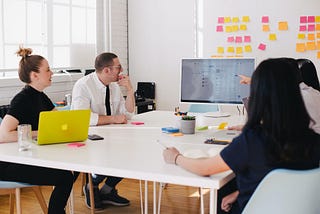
(63, 31)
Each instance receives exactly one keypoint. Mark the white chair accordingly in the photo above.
(13, 188)
(287, 191)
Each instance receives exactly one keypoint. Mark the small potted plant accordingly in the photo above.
(188, 124)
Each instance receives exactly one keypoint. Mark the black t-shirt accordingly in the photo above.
(248, 159)
(27, 105)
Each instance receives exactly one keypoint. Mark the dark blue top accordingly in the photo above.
(27, 105)
(247, 158)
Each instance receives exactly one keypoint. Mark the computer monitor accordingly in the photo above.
(214, 80)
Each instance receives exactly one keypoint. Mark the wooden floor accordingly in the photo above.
(175, 199)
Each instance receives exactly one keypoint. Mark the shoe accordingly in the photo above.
(97, 202)
(114, 199)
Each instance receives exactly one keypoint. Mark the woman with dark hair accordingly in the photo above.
(276, 135)
(309, 73)
(25, 108)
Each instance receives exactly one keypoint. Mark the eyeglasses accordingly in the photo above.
(116, 66)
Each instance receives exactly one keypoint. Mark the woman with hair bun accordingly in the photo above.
(25, 108)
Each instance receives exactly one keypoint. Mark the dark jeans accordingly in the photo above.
(61, 180)
(224, 191)
(110, 181)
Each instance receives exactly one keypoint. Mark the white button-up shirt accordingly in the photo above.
(90, 93)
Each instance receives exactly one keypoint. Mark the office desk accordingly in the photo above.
(129, 151)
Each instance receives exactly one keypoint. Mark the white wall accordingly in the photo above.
(161, 32)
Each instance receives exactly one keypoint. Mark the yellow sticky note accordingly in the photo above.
(239, 50)
(245, 18)
(228, 29)
(318, 45)
(317, 19)
(318, 55)
(272, 37)
(283, 25)
(235, 19)
(247, 48)
(317, 27)
(311, 36)
(220, 50)
(222, 125)
(265, 28)
(311, 46)
(230, 49)
(300, 47)
(243, 27)
(235, 28)
(227, 19)
(301, 36)
(318, 35)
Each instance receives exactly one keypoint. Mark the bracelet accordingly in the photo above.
(175, 159)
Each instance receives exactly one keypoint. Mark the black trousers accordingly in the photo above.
(230, 187)
(61, 180)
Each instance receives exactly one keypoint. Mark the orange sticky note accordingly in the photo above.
(247, 48)
(176, 134)
(300, 47)
(265, 28)
(243, 27)
(311, 46)
(283, 25)
(272, 37)
(301, 36)
(317, 27)
(245, 18)
(318, 35)
(318, 45)
(220, 50)
(311, 36)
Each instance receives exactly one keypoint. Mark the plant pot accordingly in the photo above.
(187, 126)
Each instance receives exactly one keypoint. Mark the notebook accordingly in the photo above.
(63, 126)
(225, 135)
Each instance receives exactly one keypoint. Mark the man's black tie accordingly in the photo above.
(108, 101)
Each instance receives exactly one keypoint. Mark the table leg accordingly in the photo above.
(154, 197)
(213, 200)
(146, 197)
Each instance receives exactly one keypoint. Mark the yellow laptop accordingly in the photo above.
(63, 126)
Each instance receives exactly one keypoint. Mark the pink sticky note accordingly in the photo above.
(247, 38)
(75, 145)
(311, 18)
(220, 20)
(303, 19)
(303, 28)
(230, 39)
(137, 123)
(265, 19)
(311, 27)
(238, 39)
(219, 28)
(262, 47)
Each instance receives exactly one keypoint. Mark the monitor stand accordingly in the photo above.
(217, 114)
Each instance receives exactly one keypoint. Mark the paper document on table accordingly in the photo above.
(225, 135)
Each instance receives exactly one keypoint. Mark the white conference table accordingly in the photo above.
(129, 151)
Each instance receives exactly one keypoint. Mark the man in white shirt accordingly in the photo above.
(100, 91)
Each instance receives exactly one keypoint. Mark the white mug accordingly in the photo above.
(24, 137)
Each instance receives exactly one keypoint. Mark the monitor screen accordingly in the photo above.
(215, 80)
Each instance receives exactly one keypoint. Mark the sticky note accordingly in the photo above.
(300, 47)
(227, 19)
(317, 19)
(235, 28)
(228, 29)
(311, 36)
(317, 27)
(310, 46)
(311, 18)
(219, 28)
(235, 19)
(311, 27)
(220, 50)
(303, 28)
(222, 125)
(176, 134)
(238, 39)
(75, 145)
(262, 46)
(243, 27)
(272, 37)
(283, 25)
(230, 49)
(230, 39)
(137, 123)
(245, 18)
(303, 19)
(239, 50)
(301, 36)
(247, 48)
(220, 20)
(202, 128)
(318, 45)
(265, 19)
(265, 28)
(247, 38)
(318, 35)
